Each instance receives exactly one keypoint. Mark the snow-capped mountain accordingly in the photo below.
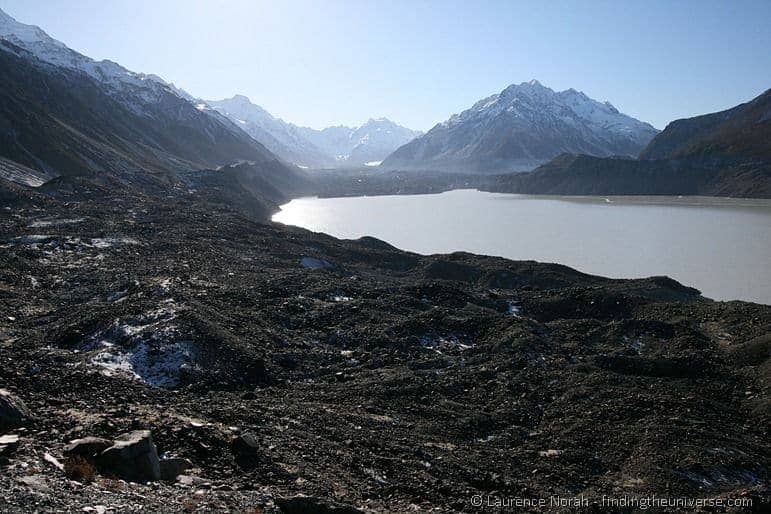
(66, 114)
(521, 127)
(726, 153)
(280, 137)
(121, 82)
(332, 146)
(368, 144)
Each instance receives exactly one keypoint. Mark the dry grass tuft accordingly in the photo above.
(80, 469)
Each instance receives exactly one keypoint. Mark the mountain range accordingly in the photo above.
(727, 153)
(330, 147)
(63, 113)
(521, 127)
(65, 118)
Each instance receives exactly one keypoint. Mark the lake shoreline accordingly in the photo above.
(685, 200)
(682, 237)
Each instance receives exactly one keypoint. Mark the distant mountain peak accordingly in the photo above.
(523, 87)
(379, 121)
(522, 126)
(88, 117)
(22, 34)
(118, 79)
(329, 147)
(241, 99)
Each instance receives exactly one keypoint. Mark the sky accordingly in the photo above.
(328, 62)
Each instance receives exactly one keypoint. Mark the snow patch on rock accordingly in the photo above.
(156, 365)
(148, 348)
(443, 343)
(314, 263)
(55, 222)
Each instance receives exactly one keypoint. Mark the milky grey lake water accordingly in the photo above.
(720, 246)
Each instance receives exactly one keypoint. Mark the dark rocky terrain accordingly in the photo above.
(742, 133)
(300, 373)
(586, 175)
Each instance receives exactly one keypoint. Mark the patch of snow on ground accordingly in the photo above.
(373, 163)
(145, 348)
(313, 263)
(439, 343)
(54, 222)
(513, 309)
(34, 238)
(165, 284)
(107, 242)
(156, 365)
(116, 295)
(636, 344)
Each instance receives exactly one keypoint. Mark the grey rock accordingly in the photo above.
(8, 444)
(87, 446)
(245, 444)
(133, 456)
(13, 412)
(173, 467)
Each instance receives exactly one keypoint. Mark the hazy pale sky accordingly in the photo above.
(328, 62)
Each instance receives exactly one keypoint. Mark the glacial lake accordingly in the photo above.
(720, 246)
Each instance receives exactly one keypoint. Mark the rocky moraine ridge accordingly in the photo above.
(168, 355)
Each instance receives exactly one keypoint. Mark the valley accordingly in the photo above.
(291, 370)
(166, 347)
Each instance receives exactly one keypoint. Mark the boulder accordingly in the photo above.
(13, 412)
(133, 457)
(8, 444)
(88, 447)
(245, 444)
(173, 467)
(246, 449)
